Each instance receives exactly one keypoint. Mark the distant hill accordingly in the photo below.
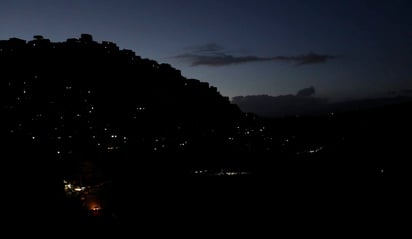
(298, 105)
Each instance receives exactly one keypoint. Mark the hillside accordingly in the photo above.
(80, 114)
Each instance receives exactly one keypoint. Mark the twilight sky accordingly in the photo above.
(344, 48)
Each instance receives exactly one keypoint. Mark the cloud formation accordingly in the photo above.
(214, 55)
(302, 103)
(306, 92)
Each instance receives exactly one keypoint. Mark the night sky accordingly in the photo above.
(347, 48)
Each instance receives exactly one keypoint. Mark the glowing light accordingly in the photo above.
(200, 171)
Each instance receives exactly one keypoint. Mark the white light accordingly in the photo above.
(58, 152)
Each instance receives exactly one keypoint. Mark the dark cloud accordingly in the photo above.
(311, 58)
(279, 106)
(302, 103)
(215, 55)
(306, 92)
(219, 59)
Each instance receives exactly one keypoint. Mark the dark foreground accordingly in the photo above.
(292, 195)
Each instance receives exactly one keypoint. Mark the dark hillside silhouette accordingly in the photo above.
(96, 135)
(91, 117)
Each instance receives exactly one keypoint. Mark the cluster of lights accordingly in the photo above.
(221, 172)
(311, 151)
(71, 188)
